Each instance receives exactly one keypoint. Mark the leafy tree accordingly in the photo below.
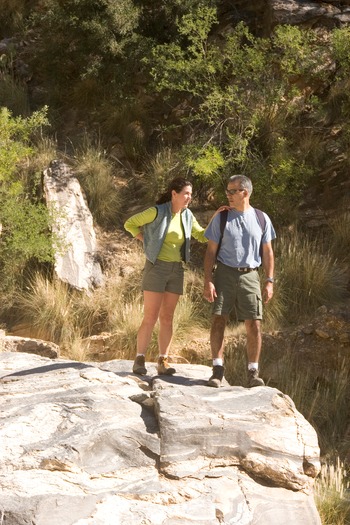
(159, 20)
(80, 46)
(245, 96)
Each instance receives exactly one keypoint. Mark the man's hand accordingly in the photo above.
(209, 292)
(267, 292)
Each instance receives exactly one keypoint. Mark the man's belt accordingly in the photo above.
(245, 269)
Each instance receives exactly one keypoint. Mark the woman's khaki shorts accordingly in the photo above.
(163, 276)
(239, 291)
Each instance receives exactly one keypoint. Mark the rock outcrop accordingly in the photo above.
(327, 14)
(76, 255)
(262, 16)
(93, 444)
(13, 343)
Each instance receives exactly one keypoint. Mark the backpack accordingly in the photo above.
(223, 219)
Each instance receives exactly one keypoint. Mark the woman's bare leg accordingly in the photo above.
(166, 316)
(152, 304)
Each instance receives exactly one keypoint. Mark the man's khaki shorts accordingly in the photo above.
(163, 276)
(239, 291)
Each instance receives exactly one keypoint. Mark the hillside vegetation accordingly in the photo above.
(133, 93)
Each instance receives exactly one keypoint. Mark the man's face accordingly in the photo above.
(235, 194)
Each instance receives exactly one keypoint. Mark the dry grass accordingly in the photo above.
(47, 307)
(66, 317)
(340, 227)
(97, 175)
(308, 276)
(331, 494)
(13, 95)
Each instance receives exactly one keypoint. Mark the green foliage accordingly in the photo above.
(25, 221)
(340, 40)
(80, 47)
(248, 98)
(207, 163)
(302, 53)
(187, 65)
(159, 21)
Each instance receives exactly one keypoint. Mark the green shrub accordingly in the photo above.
(25, 220)
(91, 58)
(248, 103)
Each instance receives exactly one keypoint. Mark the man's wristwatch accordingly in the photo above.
(270, 280)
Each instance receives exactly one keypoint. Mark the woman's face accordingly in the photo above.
(182, 199)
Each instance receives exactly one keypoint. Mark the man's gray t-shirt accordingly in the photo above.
(240, 246)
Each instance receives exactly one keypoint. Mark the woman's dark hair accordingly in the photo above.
(178, 185)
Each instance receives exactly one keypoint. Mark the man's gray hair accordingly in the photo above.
(244, 182)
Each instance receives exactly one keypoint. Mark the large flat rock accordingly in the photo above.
(93, 444)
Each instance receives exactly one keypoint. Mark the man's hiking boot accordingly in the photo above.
(164, 368)
(254, 379)
(139, 365)
(216, 379)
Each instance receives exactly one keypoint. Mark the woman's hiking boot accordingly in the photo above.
(164, 368)
(254, 379)
(139, 365)
(216, 379)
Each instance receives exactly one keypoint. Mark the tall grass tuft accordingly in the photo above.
(97, 175)
(13, 95)
(322, 398)
(331, 494)
(48, 307)
(160, 170)
(308, 276)
(340, 241)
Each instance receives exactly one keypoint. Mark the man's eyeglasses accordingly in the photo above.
(232, 192)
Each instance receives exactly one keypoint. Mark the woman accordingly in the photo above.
(165, 230)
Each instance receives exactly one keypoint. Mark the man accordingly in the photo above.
(245, 245)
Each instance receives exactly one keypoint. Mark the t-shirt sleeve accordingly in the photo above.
(269, 233)
(212, 233)
(134, 224)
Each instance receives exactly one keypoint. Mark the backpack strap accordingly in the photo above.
(261, 219)
(223, 220)
(262, 222)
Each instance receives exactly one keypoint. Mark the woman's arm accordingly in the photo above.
(134, 224)
(198, 231)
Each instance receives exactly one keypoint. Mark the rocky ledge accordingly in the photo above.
(93, 444)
